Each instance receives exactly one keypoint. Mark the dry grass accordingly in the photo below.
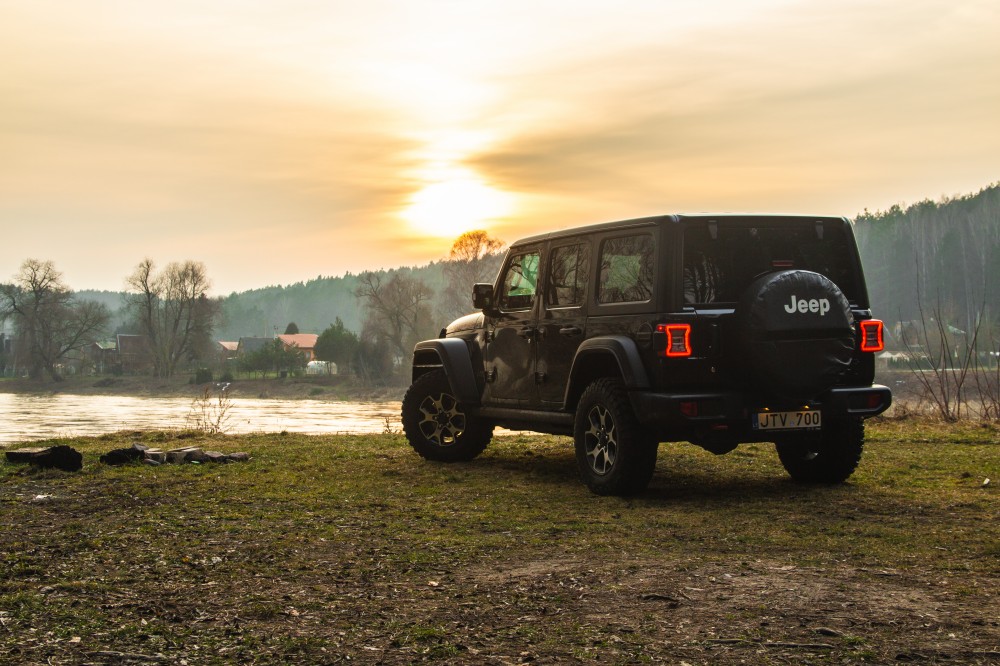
(324, 549)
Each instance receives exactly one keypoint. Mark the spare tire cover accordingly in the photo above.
(796, 333)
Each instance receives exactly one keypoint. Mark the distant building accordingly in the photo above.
(227, 350)
(104, 356)
(303, 342)
(134, 353)
(251, 345)
(321, 368)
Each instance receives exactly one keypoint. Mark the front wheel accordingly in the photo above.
(830, 456)
(437, 425)
(614, 453)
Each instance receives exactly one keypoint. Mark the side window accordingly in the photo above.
(568, 276)
(520, 282)
(626, 270)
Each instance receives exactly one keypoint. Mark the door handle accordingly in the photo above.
(528, 333)
(571, 331)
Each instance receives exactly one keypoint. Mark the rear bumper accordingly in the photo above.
(681, 414)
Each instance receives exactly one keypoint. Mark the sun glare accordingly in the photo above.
(449, 208)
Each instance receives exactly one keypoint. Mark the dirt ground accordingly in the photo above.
(756, 612)
(363, 607)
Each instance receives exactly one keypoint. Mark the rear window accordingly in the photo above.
(718, 270)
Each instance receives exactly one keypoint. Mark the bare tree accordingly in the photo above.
(474, 257)
(50, 322)
(172, 309)
(941, 362)
(398, 312)
(987, 376)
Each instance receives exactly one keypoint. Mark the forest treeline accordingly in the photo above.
(367, 323)
(316, 304)
(937, 255)
(931, 261)
(934, 258)
(313, 305)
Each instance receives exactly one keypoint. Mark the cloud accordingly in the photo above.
(801, 113)
(277, 141)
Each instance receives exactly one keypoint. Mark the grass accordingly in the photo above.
(322, 549)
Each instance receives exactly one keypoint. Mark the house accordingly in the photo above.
(134, 353)
(104, 355)
(303, 342)
(889, 359)
(227, 350)
(250, 345)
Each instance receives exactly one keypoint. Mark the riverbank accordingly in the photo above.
(332, 388)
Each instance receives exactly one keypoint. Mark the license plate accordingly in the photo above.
(802, 420)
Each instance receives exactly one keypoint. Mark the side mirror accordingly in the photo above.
(482, 296)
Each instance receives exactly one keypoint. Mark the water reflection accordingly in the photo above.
(29, 417)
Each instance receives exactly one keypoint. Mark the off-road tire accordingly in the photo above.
(437, 426)
(614, 454)
(830, 456)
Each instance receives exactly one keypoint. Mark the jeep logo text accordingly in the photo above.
(820, 305)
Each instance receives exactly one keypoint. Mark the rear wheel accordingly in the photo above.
(437, 425)
(830, 456)
(614, 454)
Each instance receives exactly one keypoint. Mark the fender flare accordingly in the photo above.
(626, 355)
(452, 355)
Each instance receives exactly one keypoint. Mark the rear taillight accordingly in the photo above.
(678, 340)
(871, 336)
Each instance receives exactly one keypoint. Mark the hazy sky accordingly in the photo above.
(280, 140)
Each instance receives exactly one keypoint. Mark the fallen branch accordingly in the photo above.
(671, 601)
(129, 655)
(797, 646)
(800, 646)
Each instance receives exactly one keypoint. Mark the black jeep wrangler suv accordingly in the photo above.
(714, 329)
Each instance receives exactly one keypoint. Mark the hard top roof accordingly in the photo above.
(699, 218)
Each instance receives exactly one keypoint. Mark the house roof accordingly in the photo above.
(250, 345)
(132, 344)
(229, 345)
(300, 340)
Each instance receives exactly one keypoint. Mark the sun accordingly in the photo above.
(448, 208)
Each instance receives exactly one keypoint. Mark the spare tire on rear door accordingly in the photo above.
(796, 334)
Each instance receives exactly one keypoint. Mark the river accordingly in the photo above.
(25, 418)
